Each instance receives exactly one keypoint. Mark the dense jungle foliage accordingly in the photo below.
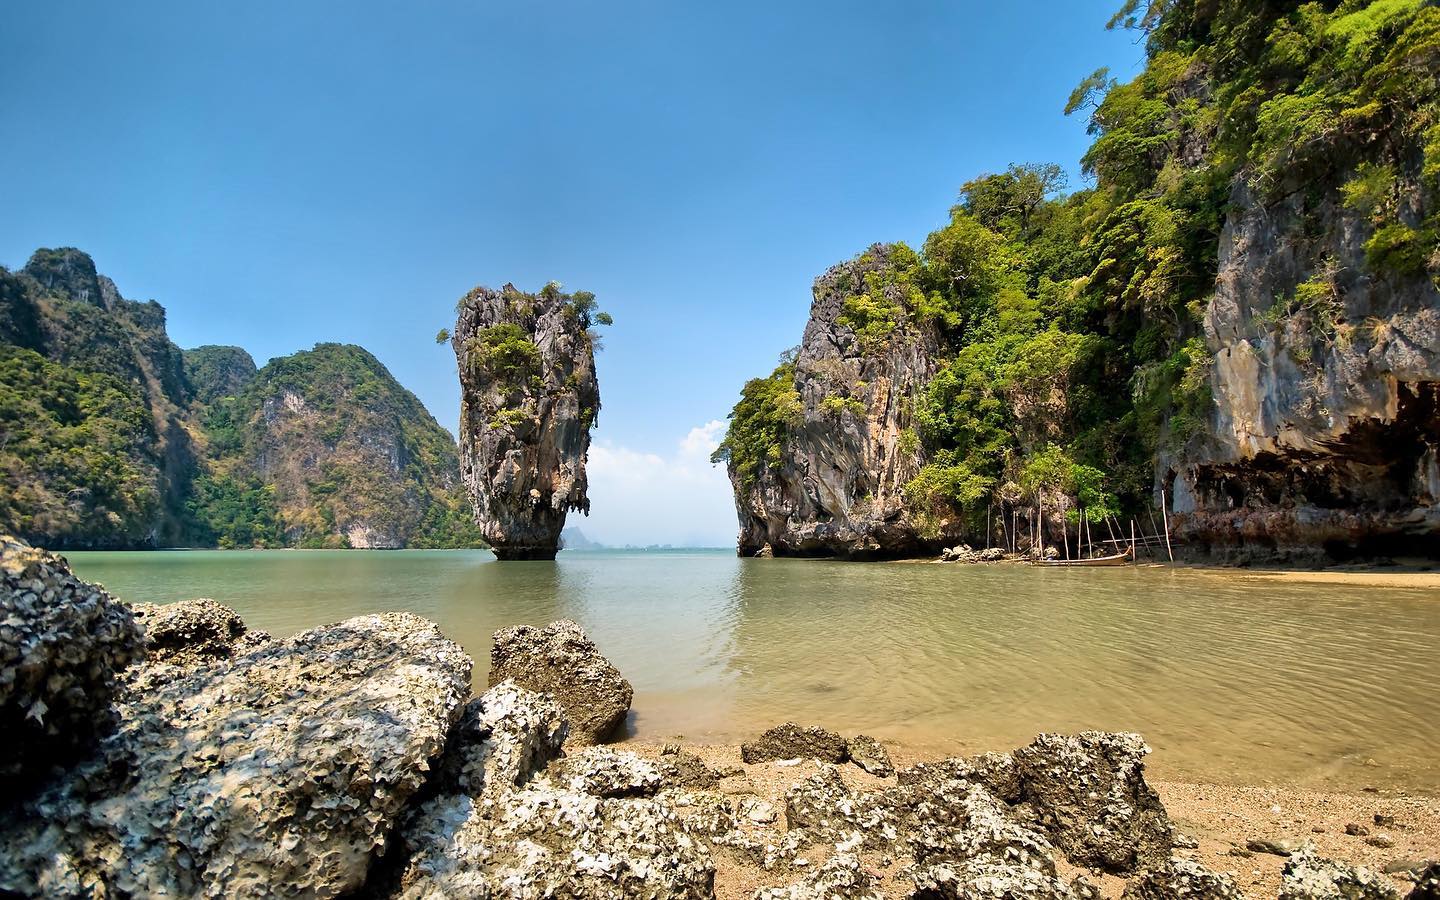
(110, 436)
(1072, 321)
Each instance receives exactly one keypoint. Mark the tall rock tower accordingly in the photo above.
(528, 399)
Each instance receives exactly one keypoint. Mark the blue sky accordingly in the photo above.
(278, 174)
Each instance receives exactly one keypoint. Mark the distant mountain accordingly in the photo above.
(112, 437)
(575, 539)
(332, 451)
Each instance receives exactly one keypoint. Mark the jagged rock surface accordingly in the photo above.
(870, 755)
(837, 489)
(528, 836)
(1089, 792)
(559, 659)
(279, 773)
(193, 632)
(187, 635)
(526, 410)
(1181, 879)
(791, 741)
(1324, 436)
(63, 643)
(1309, 876)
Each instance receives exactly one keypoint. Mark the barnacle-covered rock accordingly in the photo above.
(791, 741)
(280, 772)
(541, 841)
(842, 877)
(193, 632)
(1181, 879)
(581, 830)
(1089, 792)
(559, 659)
(1310, 876)
(63, 642)
(603, 772)
(995, 771)
(870, 755)
(502, 740)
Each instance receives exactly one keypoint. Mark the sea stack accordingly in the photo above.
(528, 399)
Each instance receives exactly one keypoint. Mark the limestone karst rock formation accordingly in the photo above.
(838, 488)
(1313, 444)
(529, 398)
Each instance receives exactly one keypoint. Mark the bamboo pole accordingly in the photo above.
(1132, 538)
(1064, 534)
(989, 514)
(1166, 518)
(1113, 539)
(1040, 500)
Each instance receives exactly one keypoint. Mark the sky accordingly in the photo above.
(278, 174)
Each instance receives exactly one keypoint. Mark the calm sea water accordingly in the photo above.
(1229, 678)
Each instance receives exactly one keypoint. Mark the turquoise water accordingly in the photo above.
(1228, 676)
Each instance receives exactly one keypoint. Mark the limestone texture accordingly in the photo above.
(63, 644)
(1309, 876)
(791, 741)
(278, 773)
(561, 660)
(1324, 435)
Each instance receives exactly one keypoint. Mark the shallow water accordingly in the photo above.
(1229, 677)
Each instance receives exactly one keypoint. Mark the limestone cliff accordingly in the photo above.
(1326, 419)
(339, 454)
(528, 400)
(111, 437)
(845, 458)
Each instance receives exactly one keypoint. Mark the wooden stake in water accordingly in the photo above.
(1165, 517)
(1064, 534)
(1132, 539)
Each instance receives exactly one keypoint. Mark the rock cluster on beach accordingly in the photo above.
(348, 759)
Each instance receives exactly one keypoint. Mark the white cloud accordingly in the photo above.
(642, 498)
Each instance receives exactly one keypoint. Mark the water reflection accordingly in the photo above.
(1227, 677)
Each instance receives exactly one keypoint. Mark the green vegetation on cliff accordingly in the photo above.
(344, 454)
(1073, 354)
(110, 436)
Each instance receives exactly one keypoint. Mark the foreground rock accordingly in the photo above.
(187, 635)
(1308, 876)
(528, 401)
(62, 644)
(791, 741)
(1089, 792)
(282, 770)
(1181, 879)
(870, 755)
(559, 659)
(584, 831)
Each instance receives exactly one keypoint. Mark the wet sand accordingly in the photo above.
(1221, 818)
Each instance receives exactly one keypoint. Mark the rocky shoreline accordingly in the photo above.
(203, 759)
